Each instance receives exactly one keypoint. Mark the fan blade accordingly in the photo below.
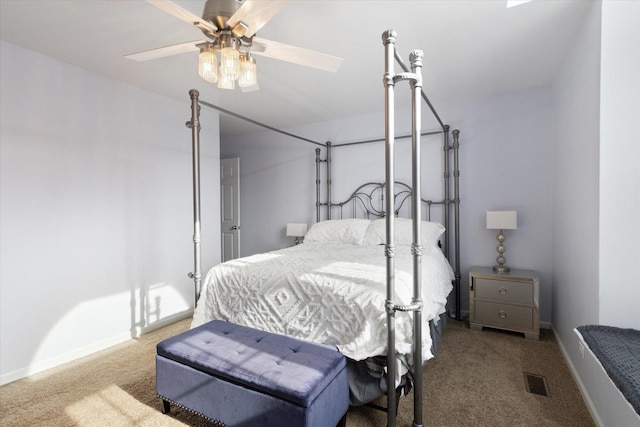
(162, 52)
(182, 14)
(297, 55)
(256, 14)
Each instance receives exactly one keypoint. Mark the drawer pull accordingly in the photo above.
(502, 314)
(502, 291)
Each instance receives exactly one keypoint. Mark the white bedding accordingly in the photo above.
(333, 293)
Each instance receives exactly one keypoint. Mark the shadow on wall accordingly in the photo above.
(148, 303)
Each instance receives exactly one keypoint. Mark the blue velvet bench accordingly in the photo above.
(241, 376)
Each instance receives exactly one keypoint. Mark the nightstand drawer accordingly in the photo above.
(504, 291)
(503, 315)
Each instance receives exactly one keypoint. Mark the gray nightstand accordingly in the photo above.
(504, 301)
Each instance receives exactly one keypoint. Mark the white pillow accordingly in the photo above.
(338, 230)
(377, 232)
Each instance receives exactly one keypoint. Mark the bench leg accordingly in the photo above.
(343, 421)
(166, 407)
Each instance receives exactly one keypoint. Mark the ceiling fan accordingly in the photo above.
(230, 28)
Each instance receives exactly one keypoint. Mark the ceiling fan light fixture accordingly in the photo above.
(229, 57)
(208, 63)
(224, 82)
(248, 71)
(230, 27)
(229, 63)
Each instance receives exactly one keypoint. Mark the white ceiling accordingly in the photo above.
(472, 49)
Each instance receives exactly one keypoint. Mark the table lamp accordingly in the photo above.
(501, 220)
(296, 230)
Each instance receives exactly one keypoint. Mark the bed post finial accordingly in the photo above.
(389, 36)
(195, 107)
(415, 58)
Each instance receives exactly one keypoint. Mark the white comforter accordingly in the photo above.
(333, 293)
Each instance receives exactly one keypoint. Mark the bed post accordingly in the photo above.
(328, 171)
(388, 40)
(446, 191)
(318, 184)
(194, 124)
(456, 208)
(328, 179)
(416, 303)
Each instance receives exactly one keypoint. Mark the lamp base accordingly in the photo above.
(501, 260)
(501, 269)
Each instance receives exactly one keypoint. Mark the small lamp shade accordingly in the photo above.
(502, 220)
(296, 229)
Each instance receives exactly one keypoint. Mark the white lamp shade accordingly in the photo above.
(502, 220)
(296, 229)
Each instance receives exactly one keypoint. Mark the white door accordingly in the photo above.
(230, 205)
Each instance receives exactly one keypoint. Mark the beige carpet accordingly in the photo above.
(476, 379)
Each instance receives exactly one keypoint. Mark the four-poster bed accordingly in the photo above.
(356, 280)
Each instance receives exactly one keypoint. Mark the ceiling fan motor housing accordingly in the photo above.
(218, 12)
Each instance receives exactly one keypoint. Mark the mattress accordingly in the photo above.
(618, 350)
(327, 292)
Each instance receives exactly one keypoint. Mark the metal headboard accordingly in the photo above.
(367, 201)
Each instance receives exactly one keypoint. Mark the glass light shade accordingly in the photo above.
(226, 83)
(248, 73)
(208, 64)
(229, 63)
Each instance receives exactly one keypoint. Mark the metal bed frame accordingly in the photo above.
(391, 200)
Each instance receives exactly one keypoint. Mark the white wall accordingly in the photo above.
(97, 223)
(576, 195)
(619, 156)
(596, 196)
(506, 163)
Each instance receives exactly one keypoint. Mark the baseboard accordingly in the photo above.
(578, 380)
(545, 325)
(6, 378)
(54, 362)
(141, 330)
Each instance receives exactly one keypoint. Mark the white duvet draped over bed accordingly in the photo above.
(332, 293)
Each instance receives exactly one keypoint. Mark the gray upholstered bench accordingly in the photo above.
(241, 376)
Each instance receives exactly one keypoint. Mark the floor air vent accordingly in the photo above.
(536, 384)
